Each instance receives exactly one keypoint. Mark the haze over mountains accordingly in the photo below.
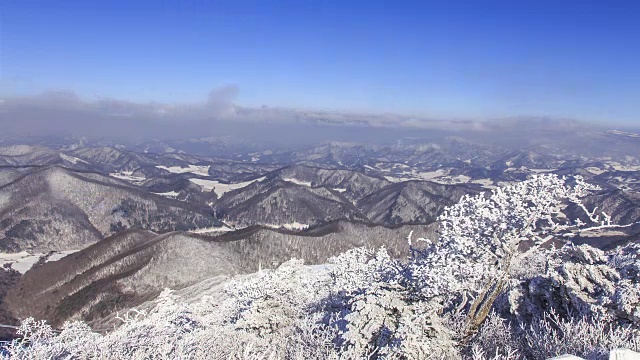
(110, 223)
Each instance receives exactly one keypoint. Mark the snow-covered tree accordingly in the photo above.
(503, 280)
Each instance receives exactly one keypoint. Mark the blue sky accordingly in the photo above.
(446, 59)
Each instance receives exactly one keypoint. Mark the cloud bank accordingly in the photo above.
(66, 113)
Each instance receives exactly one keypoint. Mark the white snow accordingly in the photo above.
(615, 354)
(21, 261)
(286, 295)
(624, 133)
(440, 176)
(60, 254)
(595, 170)
(71, 159)
(290, 226)
(397, 179)
(444, 179)
(206, 185)
(400, 165)
(296, 226)
(194, 169)
(298, 182)
(223, 228)
(621, 167)
(487, 183)
(128, 176)
(169, 194)
(220, 188)
(432, 174)
(24, 260)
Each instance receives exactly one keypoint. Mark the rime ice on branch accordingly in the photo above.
(496, 284)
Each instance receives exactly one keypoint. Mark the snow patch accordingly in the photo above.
(220, 188)
(194, 169)
(624, 133)
(128, 176)
(24, 260)
(621, 167)
(397, 179)
(594, 170)
(71, 159)
(169, 194)
(290, 226)
(298, 182)
(487, 183)
(440, 176)
(206, 185)
(211, 230)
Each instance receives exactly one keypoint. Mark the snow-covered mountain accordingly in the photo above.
(133, 266)
(117, 207)
(54, 208)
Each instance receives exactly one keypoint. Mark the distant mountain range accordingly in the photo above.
(137, 218)
(55, 208)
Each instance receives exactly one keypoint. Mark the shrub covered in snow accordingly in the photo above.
(501, 281)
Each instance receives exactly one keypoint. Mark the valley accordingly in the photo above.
(92, 230)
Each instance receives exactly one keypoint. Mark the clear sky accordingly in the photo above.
(478, 59)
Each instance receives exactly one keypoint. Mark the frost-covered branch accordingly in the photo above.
(487, 288)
